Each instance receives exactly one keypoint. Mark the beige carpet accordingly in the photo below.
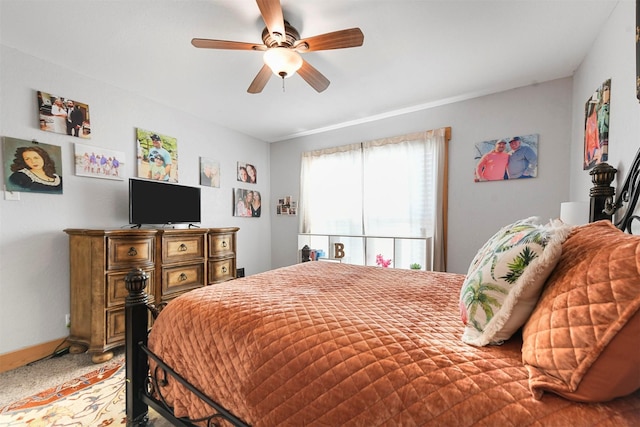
(66, 391)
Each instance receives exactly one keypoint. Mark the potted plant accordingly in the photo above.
(415, 266)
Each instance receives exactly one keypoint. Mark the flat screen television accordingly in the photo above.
(156, 202)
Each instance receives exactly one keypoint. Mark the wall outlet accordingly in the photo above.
(67, 320)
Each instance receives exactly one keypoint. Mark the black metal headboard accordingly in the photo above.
(603, 205)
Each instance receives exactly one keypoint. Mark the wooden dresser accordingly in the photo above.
(176, 261)
(222, 255)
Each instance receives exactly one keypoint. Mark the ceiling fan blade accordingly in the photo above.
(313, 77)
(225, 44)
(352, 37)
(260, 81)
(271, 12)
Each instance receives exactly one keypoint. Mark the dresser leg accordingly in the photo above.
(101, 357)
(77, 348)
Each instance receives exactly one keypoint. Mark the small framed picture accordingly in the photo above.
(287, 206)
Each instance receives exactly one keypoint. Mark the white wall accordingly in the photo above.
(476, 210)
(34, 261)
(611, 57)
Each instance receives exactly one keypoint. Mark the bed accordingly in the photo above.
(331, 344)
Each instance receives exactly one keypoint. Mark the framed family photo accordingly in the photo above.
(96, 162)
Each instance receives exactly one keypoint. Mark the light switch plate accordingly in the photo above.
(12, 195)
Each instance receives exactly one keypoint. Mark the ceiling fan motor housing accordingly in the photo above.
(288, 40)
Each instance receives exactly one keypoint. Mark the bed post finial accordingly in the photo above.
(601, 193)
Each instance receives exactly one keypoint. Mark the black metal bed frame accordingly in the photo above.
(144, 388)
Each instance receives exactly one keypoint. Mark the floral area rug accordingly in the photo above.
(94, 399)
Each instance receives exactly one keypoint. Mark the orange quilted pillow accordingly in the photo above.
(581, 341)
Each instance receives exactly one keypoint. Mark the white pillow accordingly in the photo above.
(506, 277)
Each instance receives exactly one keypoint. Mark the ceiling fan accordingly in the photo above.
(282, 47)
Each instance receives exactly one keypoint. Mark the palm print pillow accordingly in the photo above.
(506, 277)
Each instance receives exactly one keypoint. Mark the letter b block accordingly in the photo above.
(338, 250)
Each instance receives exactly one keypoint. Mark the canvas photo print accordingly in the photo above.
(209, 172)
(96, 162)
(32, 167)
(514, 157)
(247, 203)
(247, 173)
(596, 126)
(157, 156)
(63, 115)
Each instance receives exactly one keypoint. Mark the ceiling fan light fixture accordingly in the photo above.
(283, 61)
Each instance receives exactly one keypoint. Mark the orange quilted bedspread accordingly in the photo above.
(330, 344)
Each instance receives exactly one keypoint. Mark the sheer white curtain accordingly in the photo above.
(388, 187)
(398, 191)
(331, 191)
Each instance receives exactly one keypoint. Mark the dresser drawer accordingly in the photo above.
(130, 252)
(115, 326)
(117, 291)
(222, 270)
(182, 278)
(115, 333)
(182, 248)
(221, 244)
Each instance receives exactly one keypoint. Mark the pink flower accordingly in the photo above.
(382, 262)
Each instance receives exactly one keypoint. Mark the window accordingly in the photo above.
(388, 188)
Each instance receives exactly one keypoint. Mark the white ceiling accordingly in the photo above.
(415, 53)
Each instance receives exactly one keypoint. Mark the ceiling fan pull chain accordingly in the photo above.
(283, 83)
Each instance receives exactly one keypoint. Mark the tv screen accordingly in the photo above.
(154, 202)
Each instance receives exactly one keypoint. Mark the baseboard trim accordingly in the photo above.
(15, 359)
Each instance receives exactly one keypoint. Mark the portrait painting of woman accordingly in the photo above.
(32, 167)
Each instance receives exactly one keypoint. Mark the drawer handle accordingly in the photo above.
(224, 244)
(182, 247)
(182, 277)
(224, 269)
(132, 251)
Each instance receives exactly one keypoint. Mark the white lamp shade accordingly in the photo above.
(574, 213)
(283, 61)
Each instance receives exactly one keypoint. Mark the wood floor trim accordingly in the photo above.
(15, 359)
